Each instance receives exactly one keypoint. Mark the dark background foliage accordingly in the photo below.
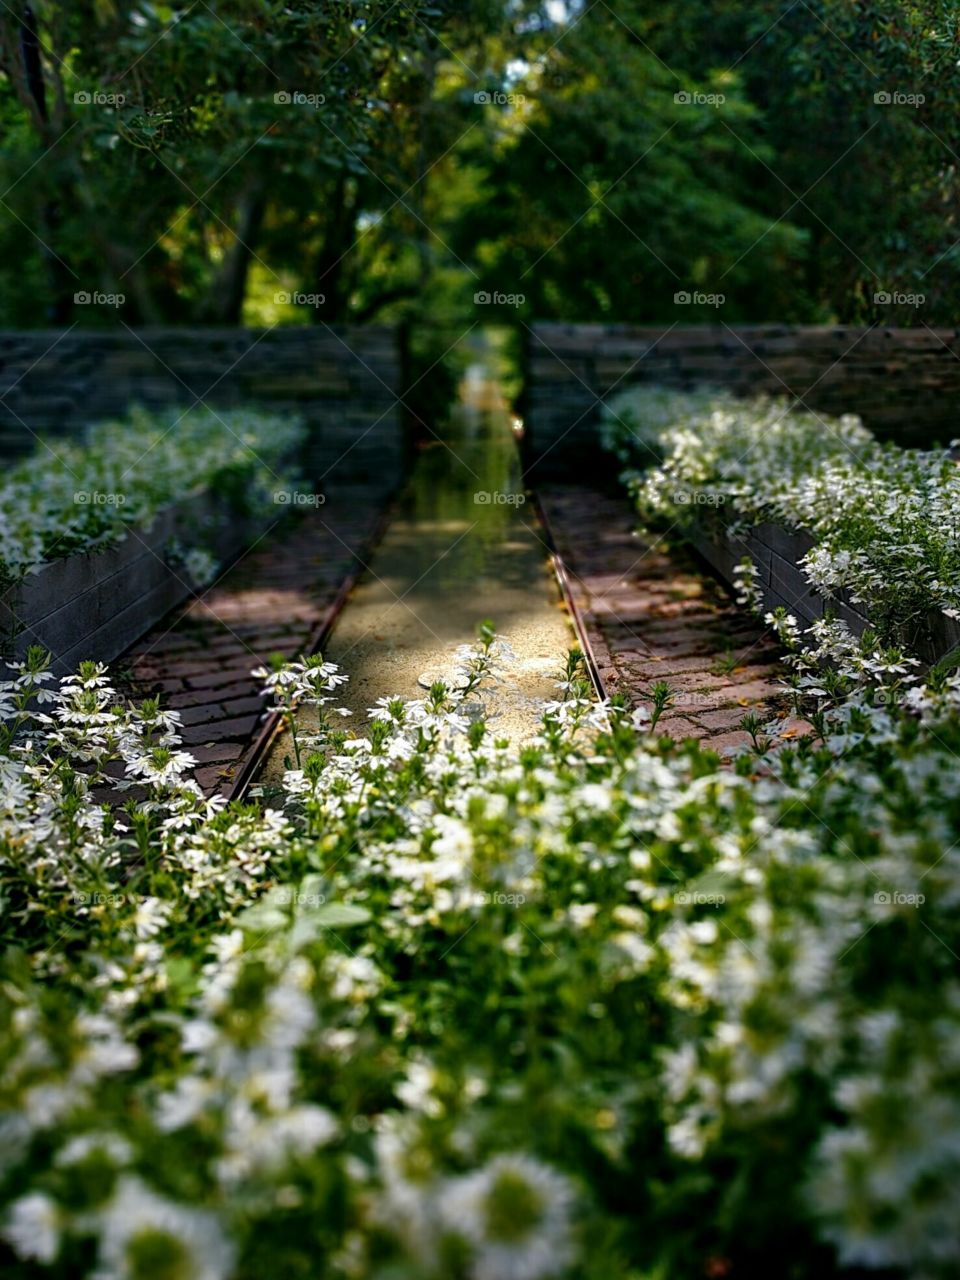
(205, 160)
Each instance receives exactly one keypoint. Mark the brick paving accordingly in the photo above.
(651, 613)
(278, 598)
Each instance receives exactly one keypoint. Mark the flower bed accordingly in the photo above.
(101, 540)
(442, 1009)
(834, 521)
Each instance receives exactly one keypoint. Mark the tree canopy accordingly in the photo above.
(330, 160)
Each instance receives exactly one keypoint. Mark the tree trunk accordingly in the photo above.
(224, 301)
(25, 70)
(331, 276)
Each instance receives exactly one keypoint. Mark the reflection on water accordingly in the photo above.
(468, 482)
(463, 546)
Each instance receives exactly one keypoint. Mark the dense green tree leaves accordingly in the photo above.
(598, 160)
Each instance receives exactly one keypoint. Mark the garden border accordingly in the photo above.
(97, 603)
(775, 551)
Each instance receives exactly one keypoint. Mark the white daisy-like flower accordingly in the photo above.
(111, 1145)
(32, 1227)
(151, 916)
(516, 1213)
(142, 1233)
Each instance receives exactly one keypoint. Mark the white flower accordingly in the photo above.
(582, 914)
(200, 566)
(183, 1241)
(115, 1148)
(257, 1144)
(416, 1091)
(595, 796)
(151, 916)
(516, 1213)
(32, 1227)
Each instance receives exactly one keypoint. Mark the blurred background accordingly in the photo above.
(252, 163)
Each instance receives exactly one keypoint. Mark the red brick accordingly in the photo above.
(206, 696)
(219, 753)
(231, 729)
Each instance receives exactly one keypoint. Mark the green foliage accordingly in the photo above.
(592, 1007)
(69, 497)
(883, 520)
(189, 183)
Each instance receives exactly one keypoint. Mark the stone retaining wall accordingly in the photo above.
(775, 553)
(95, 604)
(343, 381)
(904, 383)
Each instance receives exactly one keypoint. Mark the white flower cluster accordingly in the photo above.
(435, 1009)
(885, 521)
(76, 496)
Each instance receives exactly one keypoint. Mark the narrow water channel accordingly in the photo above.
(463, 546)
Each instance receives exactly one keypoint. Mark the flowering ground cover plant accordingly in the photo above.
(71, 497)
(595, 1006)
(885, 520)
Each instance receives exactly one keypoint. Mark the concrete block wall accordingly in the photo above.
(904, 383)
(343, 381)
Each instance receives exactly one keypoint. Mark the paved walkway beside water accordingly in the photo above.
(653, 613)
(463, 545)
(276, 599)
(460, 548)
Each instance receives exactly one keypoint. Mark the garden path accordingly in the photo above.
(280, 597)
(461, 547)
(463, 544)
(652, 613)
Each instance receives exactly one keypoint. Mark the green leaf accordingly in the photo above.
(339, 915)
